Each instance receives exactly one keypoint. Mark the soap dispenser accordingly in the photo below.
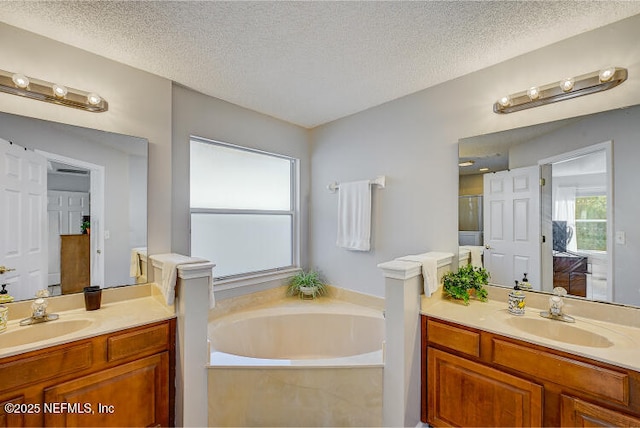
(525, 285)
(516, 301)
(4, 294)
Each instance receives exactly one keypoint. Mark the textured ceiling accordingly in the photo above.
(312, 62)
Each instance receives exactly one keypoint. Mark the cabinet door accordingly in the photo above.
(579, 413)
(132, 394)
(11, 418)
(464, 393)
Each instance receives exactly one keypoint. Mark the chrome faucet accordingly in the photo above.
(555, 306)
(39, 310)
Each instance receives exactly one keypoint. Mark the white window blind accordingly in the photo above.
(243, 213)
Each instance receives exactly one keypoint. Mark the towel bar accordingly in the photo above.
(378, 181)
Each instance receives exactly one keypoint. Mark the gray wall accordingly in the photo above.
(69, 183)
(413, 141)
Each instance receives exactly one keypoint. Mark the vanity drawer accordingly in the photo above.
(453, 337)
(598, 381)
(43, 366)
(147, 340)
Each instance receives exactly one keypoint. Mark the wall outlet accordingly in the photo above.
(621, 238)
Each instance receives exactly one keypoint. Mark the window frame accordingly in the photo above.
(590, 193)
(255, 277)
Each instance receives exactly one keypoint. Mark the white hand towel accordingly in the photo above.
(170, 263)
(135, 270)
(429, 271)
(476, 254)
(354, 216)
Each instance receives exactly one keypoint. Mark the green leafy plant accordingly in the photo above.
(467, 281)
(304, 281)
(84, 226)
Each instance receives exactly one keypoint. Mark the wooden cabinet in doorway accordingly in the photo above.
(75, 263)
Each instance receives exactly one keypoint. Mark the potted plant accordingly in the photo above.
(466, 282)
(307, 284)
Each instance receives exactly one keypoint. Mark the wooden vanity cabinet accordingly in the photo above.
(125, 378)
(472, 377)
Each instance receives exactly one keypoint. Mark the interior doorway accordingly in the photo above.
(577, 214)
(80, 207)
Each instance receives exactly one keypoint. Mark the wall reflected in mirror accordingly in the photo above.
(588, 165)
(74, 207)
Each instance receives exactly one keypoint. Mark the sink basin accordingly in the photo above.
(22, 335)
(560, 332)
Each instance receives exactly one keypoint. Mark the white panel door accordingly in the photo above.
(65, 211)
(23, 219)
(512, 225)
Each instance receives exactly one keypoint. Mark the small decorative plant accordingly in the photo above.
(307, 284)
(85, 227)
(467, 281)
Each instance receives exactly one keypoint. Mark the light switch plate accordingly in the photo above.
(621, 238)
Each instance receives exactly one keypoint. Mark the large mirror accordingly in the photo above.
(73, 207)
(556, 201)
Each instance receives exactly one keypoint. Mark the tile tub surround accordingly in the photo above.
(279, 396)
(263, 392)
(122, 307)
(492, 316)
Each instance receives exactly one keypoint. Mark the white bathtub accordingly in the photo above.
(298, 363)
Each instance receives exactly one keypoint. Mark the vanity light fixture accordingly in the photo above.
(533, 93)
(19, 84)
(567, 88)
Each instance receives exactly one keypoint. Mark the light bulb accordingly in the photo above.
(59, 91)
(505, 101)
(533, 93)
(94, 99)
(607, 74)
(20, 80)
(567, 84)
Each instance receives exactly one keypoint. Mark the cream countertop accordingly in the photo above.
(120, 309)
(492, 316)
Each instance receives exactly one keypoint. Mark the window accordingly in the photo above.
(243, 208)
(591, 223)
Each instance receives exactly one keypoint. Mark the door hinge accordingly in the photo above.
(542, 182)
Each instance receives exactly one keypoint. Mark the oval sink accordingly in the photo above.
(560, 332)
(22, 335)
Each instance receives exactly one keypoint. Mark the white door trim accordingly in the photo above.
(607, 146)
(97, 212)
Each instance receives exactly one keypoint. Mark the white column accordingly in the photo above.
(401, 395)
(192, 358)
